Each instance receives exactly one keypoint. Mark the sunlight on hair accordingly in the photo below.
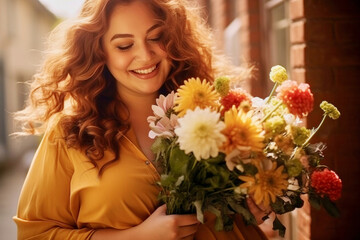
(63, 8)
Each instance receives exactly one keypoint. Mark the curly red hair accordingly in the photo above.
(74, 69)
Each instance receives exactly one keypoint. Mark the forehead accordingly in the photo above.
(134, 16)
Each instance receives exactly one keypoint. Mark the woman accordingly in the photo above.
(93, 176)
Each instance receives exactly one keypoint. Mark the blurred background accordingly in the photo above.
(318, 41)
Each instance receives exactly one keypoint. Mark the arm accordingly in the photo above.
(44, 210)
(158, 226)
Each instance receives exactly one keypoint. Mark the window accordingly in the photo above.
(232, 46)
(277, 27)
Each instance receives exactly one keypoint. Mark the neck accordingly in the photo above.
(139, 105)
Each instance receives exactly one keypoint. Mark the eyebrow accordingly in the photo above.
(126, 35)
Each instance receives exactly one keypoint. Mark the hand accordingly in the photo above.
(170, 227)
(259, 211)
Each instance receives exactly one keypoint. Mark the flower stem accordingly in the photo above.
(194, 164)
(313, 133)
(223, 190)
(308, 139)
(272, 92)
(271, 112)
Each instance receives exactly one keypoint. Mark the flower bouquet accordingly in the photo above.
(218, 145)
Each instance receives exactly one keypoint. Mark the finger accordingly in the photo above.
(261, 206)
(253, 207)
(257, 212)
(191, 237)
(186, 220)
(160, 210)
(188, 231)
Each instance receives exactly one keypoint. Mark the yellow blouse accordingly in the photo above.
(63, 197)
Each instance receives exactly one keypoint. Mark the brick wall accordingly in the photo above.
(325, 53)
(251, 42)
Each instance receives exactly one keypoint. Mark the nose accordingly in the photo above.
(144, 52)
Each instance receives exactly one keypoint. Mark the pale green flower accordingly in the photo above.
(330, 110)
(222, 85)
(280, 110)
(199, 132)
(294, 167)
(278, 74)
(275, 125)
(300, 134)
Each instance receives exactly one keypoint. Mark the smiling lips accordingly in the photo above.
(146, 73)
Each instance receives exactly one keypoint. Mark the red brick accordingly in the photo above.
(331, 9)
(296, 9)
(319, 31)
(297, 56)
(297, 32)
(255, 54)
(348, 31)
(335, 56)
(347, 77)
(253, 6)
(298, 74)
(254, 38)
(254, 21)
(320, 78)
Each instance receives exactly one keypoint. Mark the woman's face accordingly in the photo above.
(133, 49)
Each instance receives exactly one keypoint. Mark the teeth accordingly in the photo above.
(145, 71)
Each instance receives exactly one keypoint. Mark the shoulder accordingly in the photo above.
(53, 130)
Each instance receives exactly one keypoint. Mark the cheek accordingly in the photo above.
(119, 62)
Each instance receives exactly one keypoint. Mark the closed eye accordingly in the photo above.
(125, 47)
(156, 39)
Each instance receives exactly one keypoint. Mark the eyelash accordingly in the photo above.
(156, 39)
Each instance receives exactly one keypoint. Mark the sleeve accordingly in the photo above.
(44, 203)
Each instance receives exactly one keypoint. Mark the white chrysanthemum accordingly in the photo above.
(199, 132)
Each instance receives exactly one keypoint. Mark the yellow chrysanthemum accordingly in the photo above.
(266, 185)
(195, 93)
(242, 131)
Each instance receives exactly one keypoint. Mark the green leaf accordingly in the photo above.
(296, 200)
(219, 225)
(160, 145)
(330, 207)
(216, 160)
(199, 213)
(168, 180)
(250, 169)
(179, 180)
(314, 201)
(248, 217)
(178, 161)
(277, 225)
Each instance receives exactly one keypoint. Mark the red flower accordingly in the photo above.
(234, 98)
(298, 98)
(326, 182)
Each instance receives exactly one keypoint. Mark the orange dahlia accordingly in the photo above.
(266, 185)
(298, 98)
(242, 131)
(234, 98)
(327, 182)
